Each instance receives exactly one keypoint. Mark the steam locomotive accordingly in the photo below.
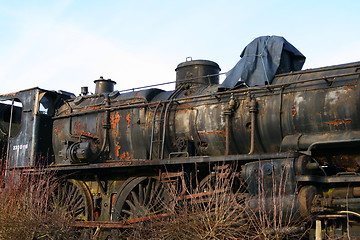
(112, 145)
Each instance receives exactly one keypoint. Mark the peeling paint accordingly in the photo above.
(297, 101)
(221, 133)
(338, 122)
(57, 131)
(114, 120)
(349, 87)
(125, 156)
(333, 96)
(79, 129)
(77, 125)
(83, 133)
(88, 108)
(117, 149)
(128, 120)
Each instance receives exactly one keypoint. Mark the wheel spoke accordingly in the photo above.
(131, 205)
(156, 198)
(135, 199)
(208, 184)
(72, 190)
(148, 191)
(54, 199)
(127, 212)
(78, 211)
(72, 197)
(156, 194)
(152, 192)
(145, 197)
(141, 194)
(63, 194)
(78, 205)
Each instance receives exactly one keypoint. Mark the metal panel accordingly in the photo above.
(21, 148)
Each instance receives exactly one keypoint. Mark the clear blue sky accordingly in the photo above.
(68, 44)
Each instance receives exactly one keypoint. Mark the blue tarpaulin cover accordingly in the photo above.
(261, 60)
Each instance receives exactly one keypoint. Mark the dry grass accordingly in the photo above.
(225, 213)
(217, 215)
(26, 212)
(217, 210)
(273, 212)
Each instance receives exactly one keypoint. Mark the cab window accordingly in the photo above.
(10, 117)
(46, 105)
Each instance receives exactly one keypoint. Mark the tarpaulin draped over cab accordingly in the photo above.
(261, 60)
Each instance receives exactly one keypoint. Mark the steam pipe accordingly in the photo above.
(227, 137)
(252, 133)
(228, 113)
(252, 105)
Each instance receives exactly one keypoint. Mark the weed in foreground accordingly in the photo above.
(26, 211)
(221, 209)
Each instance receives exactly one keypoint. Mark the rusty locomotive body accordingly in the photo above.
(304, 124)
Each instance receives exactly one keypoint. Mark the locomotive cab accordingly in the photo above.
(25, 127)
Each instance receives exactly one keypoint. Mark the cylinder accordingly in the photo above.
(197, 73)
(104, 85)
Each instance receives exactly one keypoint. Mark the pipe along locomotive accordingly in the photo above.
(112, 145)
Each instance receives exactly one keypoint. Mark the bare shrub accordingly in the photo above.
(274, 212)
(213, 211)
(220, 208)
(26, 211)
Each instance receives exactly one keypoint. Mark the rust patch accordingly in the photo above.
(83, 133)
(10, 94)
(125, 156)
(182, 110)
(293, 111)
(78, 128)
(81, 130)
(338, 122)
(117, 149)
(114, 120)
(349, 87)
(128, 120)
(114, 133)
(77, 124)
(57, 130)
(221, 133)
(185, 106)
(85, 109)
